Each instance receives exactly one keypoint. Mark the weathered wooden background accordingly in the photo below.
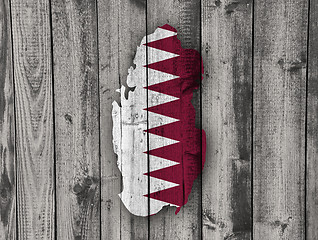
(60, 64)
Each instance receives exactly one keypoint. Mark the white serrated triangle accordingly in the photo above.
(160, 33)
(157, 184)
(158, 98)
(156, 141)
(156, 120)
(157, 55)
(155, 77)
(156, 205)
(156, 163)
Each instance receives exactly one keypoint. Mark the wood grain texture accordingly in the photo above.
(312, 125)
(34, 118)
(226, 116)
(185, 17)
(279, 119)
(75, 51)
(109, 81)
(253, 98)
(120, 32)
(7, 133)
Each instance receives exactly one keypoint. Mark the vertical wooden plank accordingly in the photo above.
(7, 144)
(108, 38)
(312, 125)
(279, 119)
(121, 29)
(226, 116)
(184, 16)
(74, 25)
(34, 118)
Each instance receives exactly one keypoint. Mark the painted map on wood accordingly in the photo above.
(160, 151)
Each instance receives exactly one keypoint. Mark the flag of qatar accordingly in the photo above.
(160, 149)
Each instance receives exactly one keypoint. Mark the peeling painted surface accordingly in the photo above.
(137, 131)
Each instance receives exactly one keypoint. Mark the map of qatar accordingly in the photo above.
(160, 150)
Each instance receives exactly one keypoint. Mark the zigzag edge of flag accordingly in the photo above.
(166, 41)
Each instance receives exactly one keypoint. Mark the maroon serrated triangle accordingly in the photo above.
(168, 27)
(167, 109)
(171, 130)
(172, 174)
(169, 44)
(168, 66)
(171, 152)
(174, 195)
(170, 87)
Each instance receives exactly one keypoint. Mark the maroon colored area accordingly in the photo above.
(190, 151)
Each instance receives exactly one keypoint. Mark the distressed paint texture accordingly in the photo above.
(166, 131)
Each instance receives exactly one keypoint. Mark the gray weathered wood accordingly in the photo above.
(121, 29)
(7, 145)
(279, 119)
(184, 16)
(34, 118)
(109, 81)
(226, 116)
(74, 26)
(312, 125)
(94, 44)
